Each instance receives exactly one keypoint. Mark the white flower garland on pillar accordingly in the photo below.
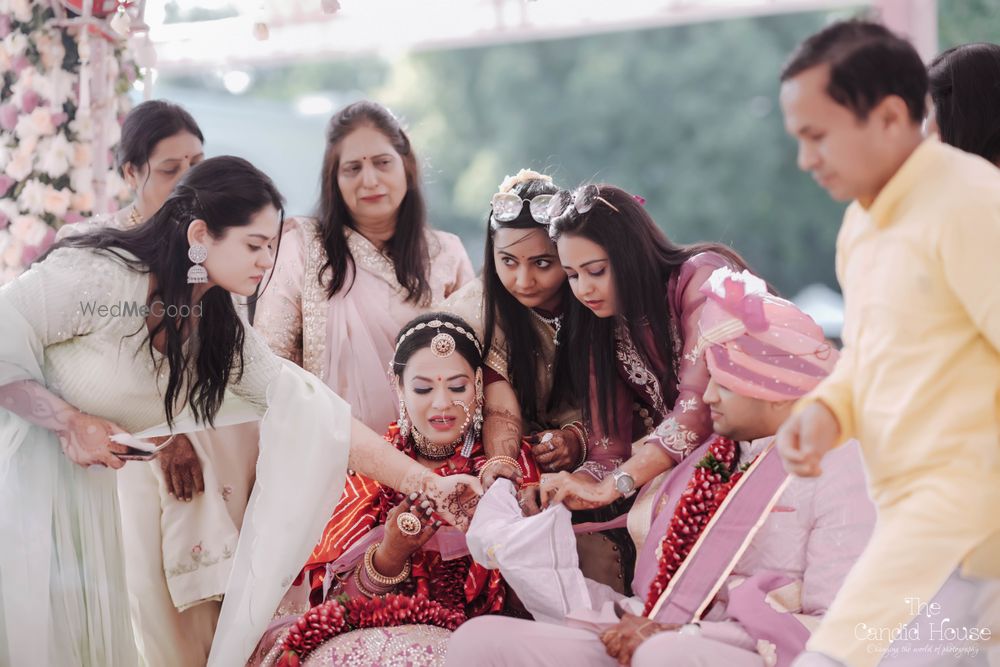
(59, 120)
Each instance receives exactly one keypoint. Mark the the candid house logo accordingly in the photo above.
(136, 309)
(929, 633)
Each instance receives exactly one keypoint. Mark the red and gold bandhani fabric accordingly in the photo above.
(365, 504)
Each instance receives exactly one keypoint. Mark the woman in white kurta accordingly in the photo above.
(77, 365)
(181, 513)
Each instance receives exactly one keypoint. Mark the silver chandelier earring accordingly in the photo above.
(476, 429)
(404, 420)
(197, 274)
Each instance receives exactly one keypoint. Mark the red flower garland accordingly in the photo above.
(339, 615)
(714, 476)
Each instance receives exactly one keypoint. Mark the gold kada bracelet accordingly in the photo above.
(367, 592)
(578, 430)
(380, 579)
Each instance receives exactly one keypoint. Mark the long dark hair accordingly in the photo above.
(965, 89)
(408, 245)
(407, 343)
(224, 192)
(501, 309)
(148, 124)
(642, 261)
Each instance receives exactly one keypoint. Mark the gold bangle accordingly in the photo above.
(499, 459)
(380, 579)
(359, 581)
(364, 590)
(581, 434)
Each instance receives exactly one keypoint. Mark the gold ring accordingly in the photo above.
(408, 523)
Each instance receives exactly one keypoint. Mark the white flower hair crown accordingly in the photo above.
(523, 176)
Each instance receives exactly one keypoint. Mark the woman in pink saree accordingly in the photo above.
(347, 280)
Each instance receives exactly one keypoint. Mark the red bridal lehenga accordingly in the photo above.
(412, 625)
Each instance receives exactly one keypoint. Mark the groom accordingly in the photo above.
(757, 571)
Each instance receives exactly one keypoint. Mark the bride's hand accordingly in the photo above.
(86, 441)
(454, 497)
(576, 491)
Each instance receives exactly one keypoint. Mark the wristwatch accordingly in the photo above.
(624, 482)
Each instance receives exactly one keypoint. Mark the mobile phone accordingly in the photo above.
(139, 449)
(134, 454)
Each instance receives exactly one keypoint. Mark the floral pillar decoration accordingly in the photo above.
(64, 78)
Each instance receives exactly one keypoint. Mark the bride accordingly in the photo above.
(129, 331)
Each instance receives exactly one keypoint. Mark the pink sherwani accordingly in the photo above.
(348, 340)
(811, 538)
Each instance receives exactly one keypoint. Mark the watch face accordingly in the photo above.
(624, 482)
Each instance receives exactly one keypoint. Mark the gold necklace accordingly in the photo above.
(429, 450)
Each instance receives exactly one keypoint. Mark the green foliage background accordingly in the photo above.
(685, 116)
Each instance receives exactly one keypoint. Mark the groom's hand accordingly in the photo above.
(622, 640)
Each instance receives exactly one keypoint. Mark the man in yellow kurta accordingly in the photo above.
(919, 379)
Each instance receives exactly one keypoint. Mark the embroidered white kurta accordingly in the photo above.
(62, 586)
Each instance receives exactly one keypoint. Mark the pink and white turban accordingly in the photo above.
(757, 344)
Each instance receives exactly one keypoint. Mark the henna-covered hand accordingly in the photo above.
(577, 491)
(181, 468)
(501, 437)
(454, 498)
(555, 450)
(529, 500)
(84, 438)
(397, 547)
